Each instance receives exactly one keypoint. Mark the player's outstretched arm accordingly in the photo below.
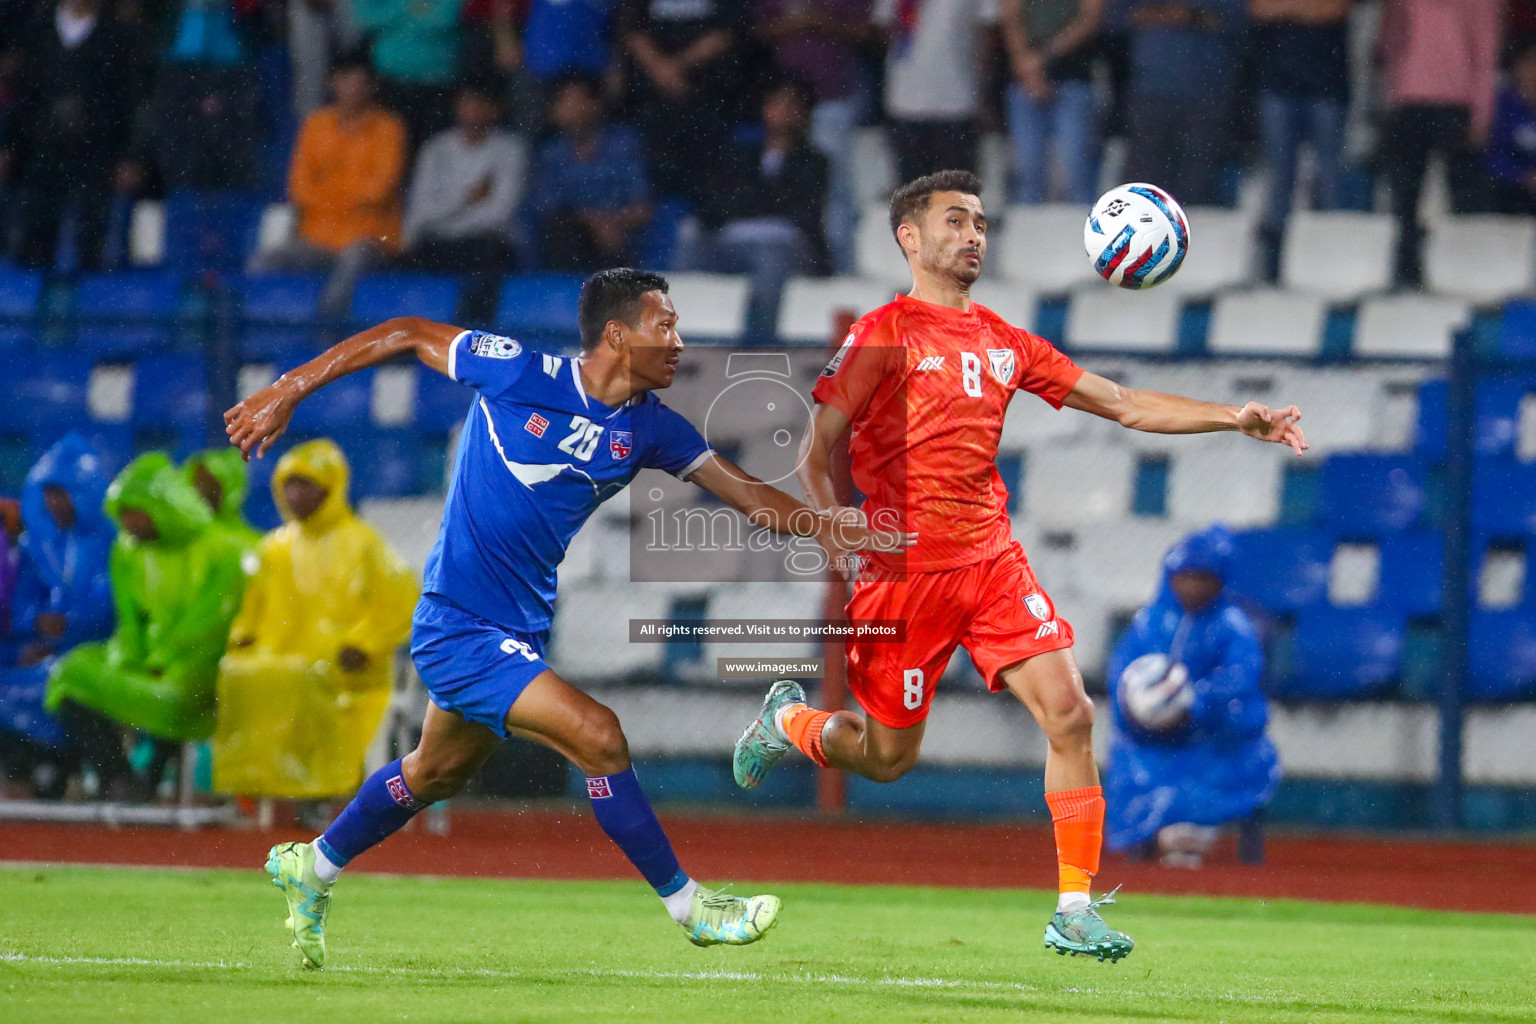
(255, 424)
(1159, 413)
(771, 509)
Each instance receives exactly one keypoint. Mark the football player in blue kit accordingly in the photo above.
(547, 440)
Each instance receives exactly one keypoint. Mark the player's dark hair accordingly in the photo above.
(355, 58)
(481, 84)
(613, 294)
(911, 200)
(797, 85)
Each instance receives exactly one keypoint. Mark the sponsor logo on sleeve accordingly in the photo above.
(620, 442)
(536, 425)
(1003, 364)
(830, 369)
(1038, 606)
(494, 346)
(1052, 628)
(598, 789)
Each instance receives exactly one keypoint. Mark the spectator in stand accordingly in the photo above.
(763, 211)
(415, 46)
(345, 185)
(933, 70)
(220, 475)
(458, 217)
(1193, 757)
(1182, 79)
(821, 42)
(177, 585)
(587, 194)
(1510, 156)
(1051, 48)
(1440, 63)
(318, 30)
(311, 654)
(72, 121)
(686, 83)
(1302, 55)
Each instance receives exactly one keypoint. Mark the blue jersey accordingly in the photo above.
(535, 459)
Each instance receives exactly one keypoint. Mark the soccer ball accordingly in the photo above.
(1136, 236)
(1155, 694)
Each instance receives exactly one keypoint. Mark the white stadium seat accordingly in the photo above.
(1409, 325)
(1104, 317)
(1227, 479)
(710, 305)
(876, 254)
(1338, 255)
(1032, 423)
(765, 601)
(1120, 563)
(591, 630)
(1221, 252)
(278, 223)
(1080, 482)
(1013, 303)
(874, 166)
(1267, 322)
(409, 524)
(1482, 258)
(1042, 247)
(146, 233)
(810, 303)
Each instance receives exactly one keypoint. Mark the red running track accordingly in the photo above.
(544, 843)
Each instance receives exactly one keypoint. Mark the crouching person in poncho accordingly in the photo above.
(311, 657)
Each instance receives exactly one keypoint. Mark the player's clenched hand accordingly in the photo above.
(846, 531)
(256, 423)
(1278, 425)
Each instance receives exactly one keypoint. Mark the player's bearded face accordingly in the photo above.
(952, 237)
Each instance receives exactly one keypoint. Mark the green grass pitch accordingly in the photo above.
(97, 944)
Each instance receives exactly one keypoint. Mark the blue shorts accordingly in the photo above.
(472, 666)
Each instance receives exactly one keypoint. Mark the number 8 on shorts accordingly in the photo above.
(912, 688)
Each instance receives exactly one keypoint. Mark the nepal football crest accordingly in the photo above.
(1037, 606)
(1002, 360)
(620, 442)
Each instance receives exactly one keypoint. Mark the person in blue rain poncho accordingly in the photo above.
(1170, 788)
(62, 598)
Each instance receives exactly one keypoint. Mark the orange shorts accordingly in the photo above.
(996, 609)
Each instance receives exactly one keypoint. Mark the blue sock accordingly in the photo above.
(625, 814)
(381, 808)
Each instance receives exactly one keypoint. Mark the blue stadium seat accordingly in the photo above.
(440, 403)
(20, 291)
(384, 462)
(45, 393)
(343, 404)
(1283, 569)
(1344, 653)
(1504, 498)
(1412, 572)
(1518, 332)
(1371, 495)
(539, 306)
(1429, 437)
(382, 296)
(279, 312)
(210, 230)
(1502, 655)
(1497, 411)
(170, 394)
(126, 314)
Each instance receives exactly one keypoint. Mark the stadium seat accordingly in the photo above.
(1081, 482)
(608, 656)
(1032, 423)
(1014, 304)
(279, 313)
(1371, 495)
(876, 254)
(1338, 255)
(994, 163)
(1221, 253)
(1412, 573)
(384, 462)
(126, 314)
(380, 297)
(1498, 412)
(811, 303)
(46, 393)
(209, 230)
(440, 403)
(343, 404)
(1504, 498)
(1481, 258)
(1342, 409)
(874, 167)
(1344, 653)
(1102, 318)
(1417, 326)
(1283, 569)
(146, 233)
(1517, 330)
(1042, 247)
(766, 601)
(1502, 655)
(279, 221)
(1120, 563)
(539, 306)
(1217, 480)
(712, 306)
(1430, 429)
(20, 291)
(1267, 322)
(170, 395)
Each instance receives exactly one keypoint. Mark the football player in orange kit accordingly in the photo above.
(924, 383)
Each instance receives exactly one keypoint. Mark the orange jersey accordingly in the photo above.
(926, 387)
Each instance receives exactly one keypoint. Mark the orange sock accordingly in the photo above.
(803, 725)
(1078, 816)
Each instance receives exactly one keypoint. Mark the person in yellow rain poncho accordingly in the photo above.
(311, 656)
(176, 584)
(221, 477)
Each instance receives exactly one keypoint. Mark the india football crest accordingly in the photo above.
(1002, 360)
(1037, 606)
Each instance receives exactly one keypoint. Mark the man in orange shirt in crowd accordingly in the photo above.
(344, 184)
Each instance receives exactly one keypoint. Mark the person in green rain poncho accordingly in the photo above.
(222, 478)
(176, 583)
